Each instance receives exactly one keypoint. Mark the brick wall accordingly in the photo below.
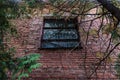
(60, 64)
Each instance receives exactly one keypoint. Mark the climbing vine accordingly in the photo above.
(10, 66)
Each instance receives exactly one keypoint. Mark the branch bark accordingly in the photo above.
(111, 8)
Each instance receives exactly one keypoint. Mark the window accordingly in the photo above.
(60, 33)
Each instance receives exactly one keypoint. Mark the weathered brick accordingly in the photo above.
(61, 64)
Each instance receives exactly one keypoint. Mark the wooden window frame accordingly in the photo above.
(64, 40)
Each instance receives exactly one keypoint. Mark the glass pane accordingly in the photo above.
(71, 23)
(60, 34)
(59, 44)
(54, 23)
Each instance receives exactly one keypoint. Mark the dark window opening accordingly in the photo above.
(60, 33)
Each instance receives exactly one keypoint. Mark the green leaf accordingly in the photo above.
(23, 75)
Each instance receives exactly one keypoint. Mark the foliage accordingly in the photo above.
(25, 65)
(117, 66)
(116, 3)
(35, 4)
(18, 67)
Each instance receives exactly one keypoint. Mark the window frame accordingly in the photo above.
(64, 40)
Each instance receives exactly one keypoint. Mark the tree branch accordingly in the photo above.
(111, 8)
